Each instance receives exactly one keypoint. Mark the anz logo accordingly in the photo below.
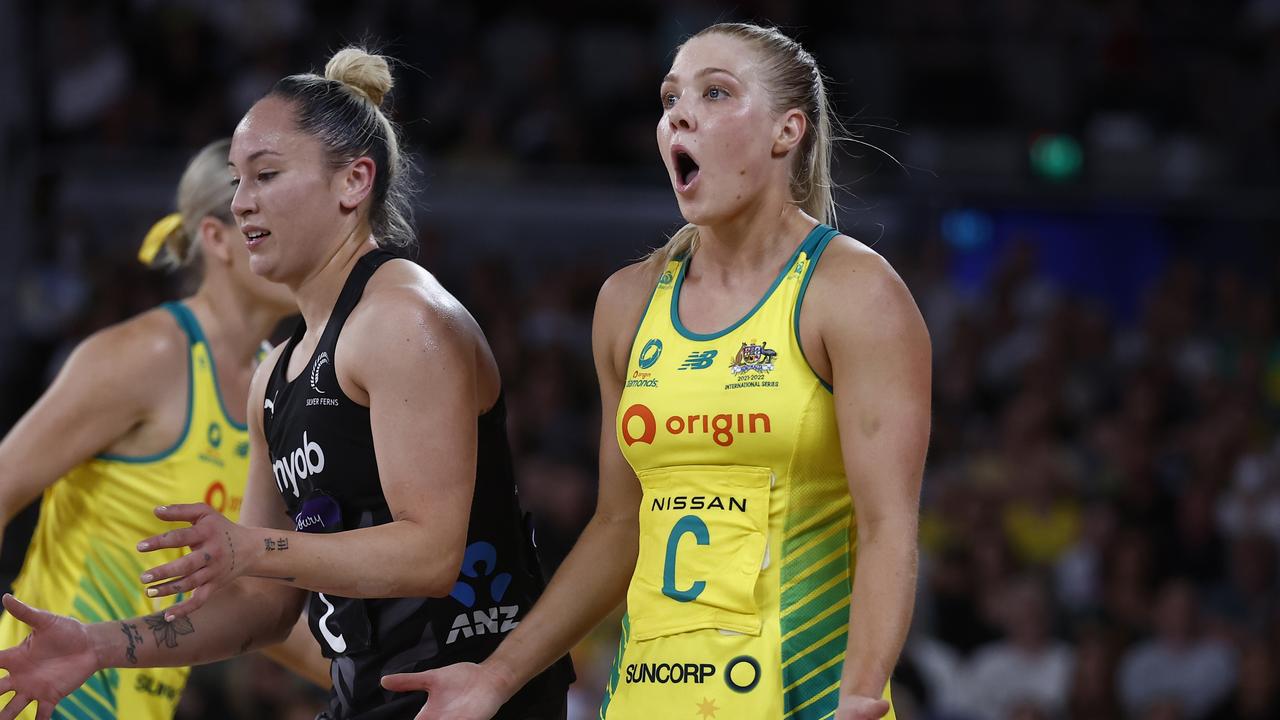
(698, 360)
(480, 562)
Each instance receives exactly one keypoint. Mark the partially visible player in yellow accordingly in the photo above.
(765, 383)
(146, 412)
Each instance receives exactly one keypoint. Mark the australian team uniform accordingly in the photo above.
(739, 605)
(322, 455)
(83, 562)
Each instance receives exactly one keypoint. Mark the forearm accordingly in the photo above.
(391, 560)
(881, 607)
(301, 655)
(589, 584)
(244, 616)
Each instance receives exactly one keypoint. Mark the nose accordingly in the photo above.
(681, 117)
(242, 201)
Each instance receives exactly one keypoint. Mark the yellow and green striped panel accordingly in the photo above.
(814, 605)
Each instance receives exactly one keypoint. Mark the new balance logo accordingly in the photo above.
(698, 360)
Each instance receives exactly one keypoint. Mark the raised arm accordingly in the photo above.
(592, 580)
(879, 359)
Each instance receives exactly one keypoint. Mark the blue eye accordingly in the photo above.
(715, 92)
(235, 182)
(668, 100)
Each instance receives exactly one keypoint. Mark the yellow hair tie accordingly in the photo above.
(157, 236)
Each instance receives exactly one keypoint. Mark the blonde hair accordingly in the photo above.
(343, 111)
(793, 79)
(204, 191)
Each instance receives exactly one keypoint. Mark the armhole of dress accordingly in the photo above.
(818, 248)
(184, 319)
(644, 315)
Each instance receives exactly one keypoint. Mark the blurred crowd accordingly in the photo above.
(1100, 530)
(502, 86)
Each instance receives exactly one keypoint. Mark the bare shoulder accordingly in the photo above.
(854, 281)
(147, 347)
(405, 308)
(620, 306)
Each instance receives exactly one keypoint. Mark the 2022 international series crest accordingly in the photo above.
(754, 358)
(751, 366)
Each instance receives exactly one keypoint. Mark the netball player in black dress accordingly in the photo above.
(380, 475)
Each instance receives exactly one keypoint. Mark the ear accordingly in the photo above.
(789, 131)
(355, 182)
(214, 240)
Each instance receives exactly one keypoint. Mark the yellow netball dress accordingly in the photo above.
(82, 560)
(739, 605)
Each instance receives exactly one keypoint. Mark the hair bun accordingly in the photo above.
(362, 71)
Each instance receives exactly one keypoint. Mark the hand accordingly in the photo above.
(463, 691)
(861, 707)
(220, 553)
(55, 659)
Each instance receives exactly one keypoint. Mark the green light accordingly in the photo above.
(1056, 157)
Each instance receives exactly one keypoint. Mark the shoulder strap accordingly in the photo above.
(814, 246)
(186, 320)
(353, 290)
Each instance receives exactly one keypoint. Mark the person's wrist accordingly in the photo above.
(503, 672)
(108, 642)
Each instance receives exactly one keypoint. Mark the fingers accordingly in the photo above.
(184, 566)
(183, 513)
(189, 583)
(44, 710)
(6, 684)
(17, 704)
(181, 537)
(37, 619)
(190, 605)
(408, 682)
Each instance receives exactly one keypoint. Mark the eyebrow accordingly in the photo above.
(704, 71)
(255, 155)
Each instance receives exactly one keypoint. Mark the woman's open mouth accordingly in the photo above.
(686, 168)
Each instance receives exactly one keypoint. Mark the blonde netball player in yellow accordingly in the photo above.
(148, 411)
(765, 384)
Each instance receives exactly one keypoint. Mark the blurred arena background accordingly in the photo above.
(1083, 195)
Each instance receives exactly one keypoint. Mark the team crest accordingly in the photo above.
(754, 358)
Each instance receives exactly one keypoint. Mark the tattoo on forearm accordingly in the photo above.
(167, 632)
(277, 544)
(231, 545)
(134, 638)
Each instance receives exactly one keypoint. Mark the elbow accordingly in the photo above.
(435, 576)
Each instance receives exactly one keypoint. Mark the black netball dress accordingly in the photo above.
(322, 456)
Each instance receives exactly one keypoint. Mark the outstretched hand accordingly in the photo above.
(464, 691)
(211, 564)
(55, 659)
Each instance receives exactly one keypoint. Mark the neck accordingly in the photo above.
(232, 320)
(318, 292)
(753, 238)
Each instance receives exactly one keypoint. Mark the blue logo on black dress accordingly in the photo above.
(480, 562)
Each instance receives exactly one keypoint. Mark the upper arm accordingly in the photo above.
(881, 361)
(263, 505)
(109, 384)
(619, 310)
(414, 353)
